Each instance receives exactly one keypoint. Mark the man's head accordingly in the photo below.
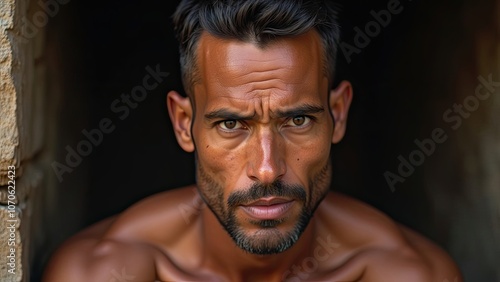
(261, 115)
(256, 21)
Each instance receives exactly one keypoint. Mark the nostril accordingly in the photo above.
(253, 178)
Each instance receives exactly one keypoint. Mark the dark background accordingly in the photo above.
(401, 88)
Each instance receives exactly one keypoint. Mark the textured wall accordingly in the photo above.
(459, 71)
(15, 75)
(21, 130)
(16, 127)
(464, 181)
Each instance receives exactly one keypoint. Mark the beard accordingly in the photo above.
(268, 239)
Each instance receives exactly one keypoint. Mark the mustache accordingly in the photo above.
(259, 190)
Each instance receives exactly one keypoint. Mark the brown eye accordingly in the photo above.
(300, 120)
(230, 124)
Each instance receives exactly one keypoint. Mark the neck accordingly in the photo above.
(227, 259)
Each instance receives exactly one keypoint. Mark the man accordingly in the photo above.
(260, 116)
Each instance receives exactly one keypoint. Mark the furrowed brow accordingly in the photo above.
(303, 110)
(225, 114)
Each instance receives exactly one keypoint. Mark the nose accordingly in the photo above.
(265, 158)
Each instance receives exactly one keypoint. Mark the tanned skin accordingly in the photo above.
(262, 114)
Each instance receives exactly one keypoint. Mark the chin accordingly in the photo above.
(266, 241)
(267, 237)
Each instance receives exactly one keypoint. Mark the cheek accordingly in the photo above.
(220, 163)
(309, 158)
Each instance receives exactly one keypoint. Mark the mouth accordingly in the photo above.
(268, 208)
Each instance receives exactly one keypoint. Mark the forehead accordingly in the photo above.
(289, 66)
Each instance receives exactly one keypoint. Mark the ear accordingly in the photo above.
(181, 115)
(340, 101)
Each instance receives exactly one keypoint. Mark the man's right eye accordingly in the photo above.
(230, 124)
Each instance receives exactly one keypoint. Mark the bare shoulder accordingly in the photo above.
(128, 246)
(381, 249)
(161, 218)
(442, 267)
(91, 259)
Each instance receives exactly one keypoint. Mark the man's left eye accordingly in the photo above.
(298, 121)
(230, 124)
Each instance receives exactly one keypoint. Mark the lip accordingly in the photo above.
(270, 208)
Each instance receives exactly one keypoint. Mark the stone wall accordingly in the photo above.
(30, 101)
(21, 137)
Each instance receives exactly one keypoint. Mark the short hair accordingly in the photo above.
(256, 21)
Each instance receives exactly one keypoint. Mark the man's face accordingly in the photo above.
(262, 130)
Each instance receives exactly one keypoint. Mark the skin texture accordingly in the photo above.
(261, 122)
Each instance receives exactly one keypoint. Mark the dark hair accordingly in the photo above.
(258, 21)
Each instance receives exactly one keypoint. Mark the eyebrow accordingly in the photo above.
(226, 114)
(302, 110)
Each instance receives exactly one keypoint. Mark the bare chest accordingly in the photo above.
(308, 269)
